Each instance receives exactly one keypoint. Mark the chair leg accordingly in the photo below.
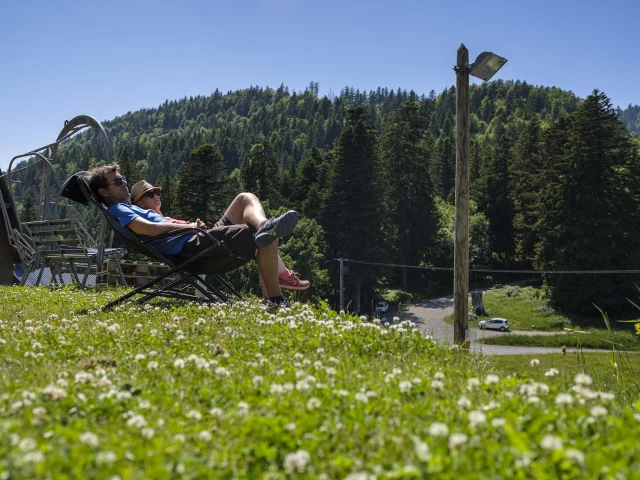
(119, 269)
(39, 275)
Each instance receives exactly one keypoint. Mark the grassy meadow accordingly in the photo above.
(171, 390)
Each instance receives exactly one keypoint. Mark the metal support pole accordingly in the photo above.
(341, 284)
(461, 233)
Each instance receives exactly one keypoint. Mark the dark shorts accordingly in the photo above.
(239, 239)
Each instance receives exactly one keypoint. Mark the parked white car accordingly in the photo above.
(382, 307)
(495, 324)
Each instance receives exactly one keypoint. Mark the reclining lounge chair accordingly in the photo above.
(190, 283)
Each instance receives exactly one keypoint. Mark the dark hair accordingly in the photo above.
(97, 178)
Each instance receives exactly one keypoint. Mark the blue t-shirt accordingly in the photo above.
(126, 213)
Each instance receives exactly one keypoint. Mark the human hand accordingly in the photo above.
(200, 224)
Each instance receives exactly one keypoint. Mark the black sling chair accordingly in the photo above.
(189, 272)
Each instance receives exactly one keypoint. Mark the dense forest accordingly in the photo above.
(554, 180)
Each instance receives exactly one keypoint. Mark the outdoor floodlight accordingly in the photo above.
(486, 65)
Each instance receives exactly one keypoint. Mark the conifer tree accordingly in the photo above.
(168, 195)
(354, 211)
(201, 188)
(128, 167)
(586, 208)
(28, 213)
(410, 200)
(261, 174)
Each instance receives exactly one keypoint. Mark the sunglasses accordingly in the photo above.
(118, 181)
(152, 193)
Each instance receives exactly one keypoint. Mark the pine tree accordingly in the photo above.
(495, 200)
(411, 210)
(261, 174)
(586, 208)
(128, 167)
(168, 195)
(526, 177)
(354, 211)
(28, 213)
(201, 188)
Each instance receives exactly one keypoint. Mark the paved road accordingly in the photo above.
(429, 315)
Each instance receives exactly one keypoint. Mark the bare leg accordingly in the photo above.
(267, 260)
(264, 289)
(246, 208)
(281, 267)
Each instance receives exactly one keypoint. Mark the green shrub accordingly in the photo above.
(396, 296)
(560, 322)
(512, 291)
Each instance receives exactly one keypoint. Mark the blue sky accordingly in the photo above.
(107, 58)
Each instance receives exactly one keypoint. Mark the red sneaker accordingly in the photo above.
(290, 281)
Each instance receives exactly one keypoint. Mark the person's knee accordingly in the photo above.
(247, 197)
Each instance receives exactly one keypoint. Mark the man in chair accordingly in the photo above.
(146, 196)
(249, 235)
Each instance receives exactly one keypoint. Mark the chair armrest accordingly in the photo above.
(180, 231)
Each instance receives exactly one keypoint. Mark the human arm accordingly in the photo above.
(141, 226)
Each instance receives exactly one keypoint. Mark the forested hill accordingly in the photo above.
(553, 178)
(160, 139)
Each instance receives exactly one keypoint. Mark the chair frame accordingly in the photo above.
(189, 277)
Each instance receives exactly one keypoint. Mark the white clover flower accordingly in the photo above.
(362, 397)
(533, 399)
(243, 408)
(438, 430)
(194, 415)
(90, 439)
(179, 363)
(598, 411)
(137, 421)
(552, 372)
(405, 386)
(27, 444)
(205, 436)
(564, 399)
(464, 402)
(222, 372)
(258, 380)
(534, 362)
(438, 375)
(574, 455)
(147, 432)
(472, 383)
(476, 418)
(313, 403)
(107, 457)
(498, 422)
(551, 442)
(456, 440)
(140, 356)
(54, 392)
(582, 379)
(33, 457)
(491, 379)
(152, 365)
(276, 388)
(179, 437)
(290, 427)
(437, 385)
(296, 462)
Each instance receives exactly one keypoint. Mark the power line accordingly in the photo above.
(486, 270)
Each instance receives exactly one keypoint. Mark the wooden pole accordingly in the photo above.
(341, 285)
(461, 232)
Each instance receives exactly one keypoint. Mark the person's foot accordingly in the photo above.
(276, 228)
(290, 281)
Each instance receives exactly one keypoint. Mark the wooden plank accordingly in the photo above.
(54, 232)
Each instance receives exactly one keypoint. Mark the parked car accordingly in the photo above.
(382, 307)
(495, 323)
